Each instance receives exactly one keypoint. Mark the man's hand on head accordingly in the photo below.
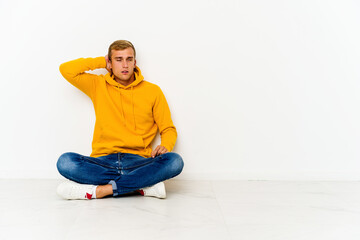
(107, 63)
(158, 151)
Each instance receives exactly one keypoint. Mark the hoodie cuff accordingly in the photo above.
(169, 147)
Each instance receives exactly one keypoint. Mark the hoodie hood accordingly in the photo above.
(138, 79)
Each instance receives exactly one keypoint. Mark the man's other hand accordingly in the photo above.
(158, 151)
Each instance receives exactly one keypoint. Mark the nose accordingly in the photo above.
(125, 64)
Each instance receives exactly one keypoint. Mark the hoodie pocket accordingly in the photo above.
(135, 141)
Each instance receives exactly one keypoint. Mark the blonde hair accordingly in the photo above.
(120, 45)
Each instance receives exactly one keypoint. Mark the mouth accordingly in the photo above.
(125, 72)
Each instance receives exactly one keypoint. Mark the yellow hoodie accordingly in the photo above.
(127, 117)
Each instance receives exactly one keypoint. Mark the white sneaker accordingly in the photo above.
(157, 190)
(73, 190)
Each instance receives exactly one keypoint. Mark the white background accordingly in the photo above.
(258, 90)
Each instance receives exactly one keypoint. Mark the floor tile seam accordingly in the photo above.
(221, 209)
(291, 224)
(302, 207)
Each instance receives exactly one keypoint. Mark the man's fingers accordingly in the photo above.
(163, 150)
(159, 150)
(154, 153)
(107, 63)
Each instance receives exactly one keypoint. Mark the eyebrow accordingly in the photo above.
(122, 57)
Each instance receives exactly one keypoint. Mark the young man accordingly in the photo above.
(129, 111)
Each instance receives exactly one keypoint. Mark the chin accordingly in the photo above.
(125, 79)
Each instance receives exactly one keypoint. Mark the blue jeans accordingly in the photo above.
(126, 172)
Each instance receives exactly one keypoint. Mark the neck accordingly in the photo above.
(125, 82)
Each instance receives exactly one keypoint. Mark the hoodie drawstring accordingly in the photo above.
(132, 100)
(122, 108)
(133, 107)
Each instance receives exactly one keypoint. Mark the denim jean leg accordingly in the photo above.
(139, 172)
(88, 170)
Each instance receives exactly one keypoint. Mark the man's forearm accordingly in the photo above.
(74, 72)
(168, 138)
(75, 67)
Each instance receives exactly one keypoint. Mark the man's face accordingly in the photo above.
(123, 63)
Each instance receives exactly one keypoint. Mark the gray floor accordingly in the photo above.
(264, 210)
